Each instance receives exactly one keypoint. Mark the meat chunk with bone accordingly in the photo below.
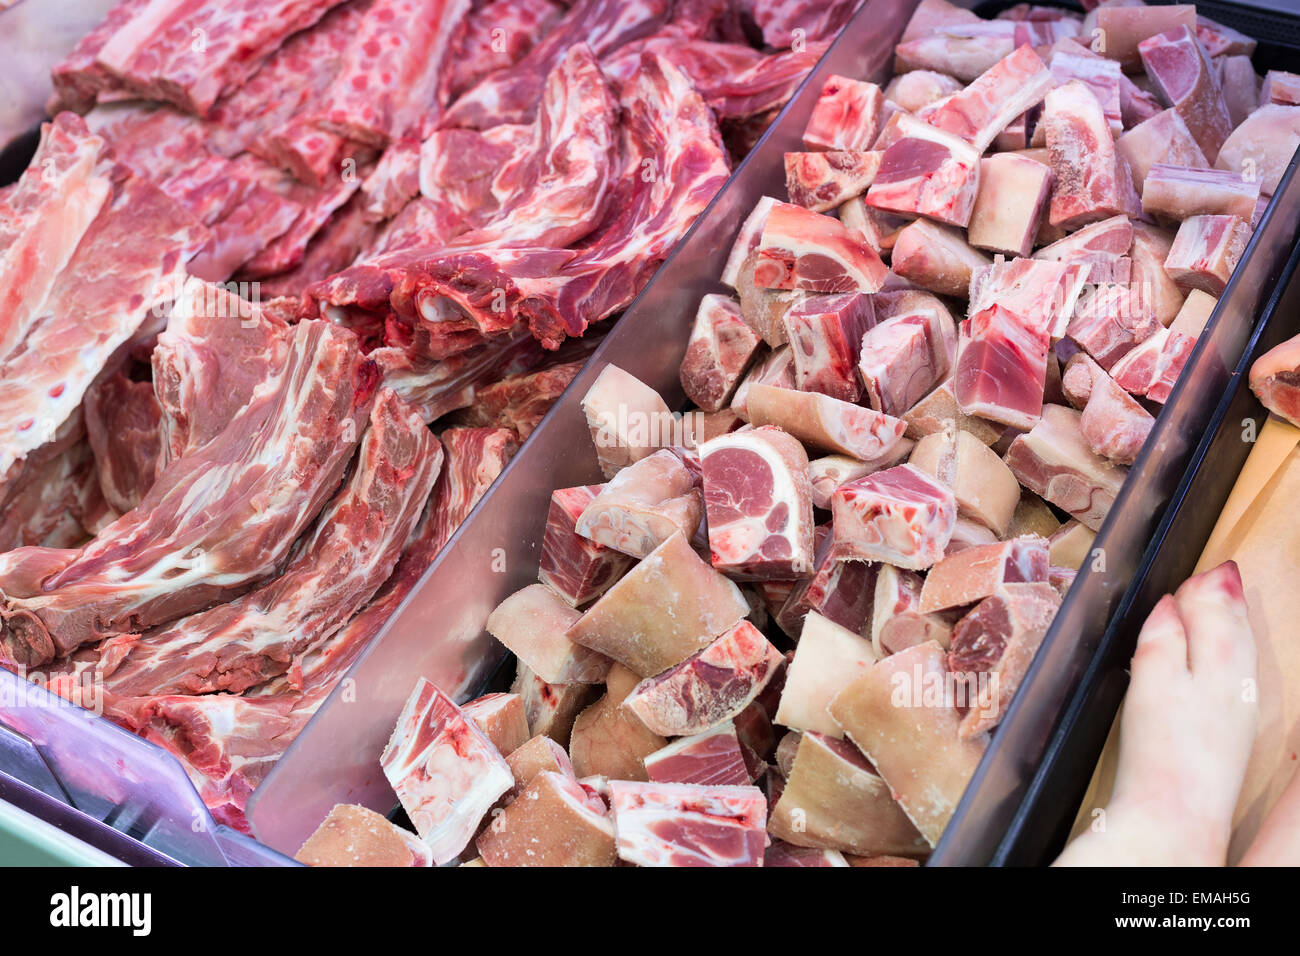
(927, 172)
(445, 771)
(825, 422)
(1006, 90)
(681, 824)
(1070, 61)
(834, 799)
(1089, 179)
(1205, 251)
(1153, 367)
(897, 622)
(902, 715)
(1262, 146)
(746, 241)
(900, 516)
(1014, 190)
(532, 623)
(1043, 292)
(801, 249)
(1177, 66)
(1053, 460)
(712, 686)
(758, 502)
(1001, 367)
(573, 566)
(845, 116)
(1099, 243)
(829, 472)
(1176, 192)
(627, 419)
(644, 505)
(1124, 27)
(1110, 321)
(711, 758)
(628, 625)
(1114, 425)
(840, 591)
(1275, 380)
(983, 486)
(502, 718)
(936, 258)
(904, 357)
(997, 642)
(823, 181)
(827, 659)
(1164, 138)
(975, 573)
(554, 822)
(825, 335)
(719, 351)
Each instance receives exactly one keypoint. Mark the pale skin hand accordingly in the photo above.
(1186, 734)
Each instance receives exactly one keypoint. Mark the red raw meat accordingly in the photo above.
(904, 357)
(840, 591)
(927, 172)
(979, 112)
(1177, 66)
(1152, 368)
(1001, 367)
(845, 116)
(900, 516)
(786, 22)
(1091, 180)
(1043, 292)
(800, 249)
(1111, 321)
(495, 37)
(825, 335)
(1205, 252)
(718, 352)
(124, 427)
(712, 758)
(518, 402)
(680, 824)
(822, 181)
(577, 568)
(974, 573)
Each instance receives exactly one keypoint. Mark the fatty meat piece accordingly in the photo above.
(927, 172)
(936, 257)
(1177, 66)
(1114, 425)
(718, 352)
(681, 824)
(1164, 138)
(825, 336)
(904, 357)
(356, 836)
(845, 115)
(900, 516)
(1089, 179)
(983, 486)
(609, 739)
(829, 472)
(822, 181)
(1152, 369)
(1177, 193)
(644, 505)
(1013, 193)
(550, 708)
(824, 422)
(975, 573)
(1205, 251)
(978, 113)
(1001, 367)
(625, 416)
(532, 623)
(1262, 146)
(1275, 380)
(803, 250)
(827, 659)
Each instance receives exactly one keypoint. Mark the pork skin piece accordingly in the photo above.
(1071, 545)
(1162, 139)
(822, 181)
(1053, 461)
(1205, 251)
(936, 258)
(1110, 321)
(644, 505)
(825, 335)
(1089, 179)
(829, 472)
(683, 824)
(938, 408)
(711, 758)
(357, 836)
(838, 590)
(903, 358)
(532, 623)
(502, 719)
(1262, 146)
(576, 568)
(901, 714)
(550, 708)
(1186, 81)
(719, 351)
(927, 172)
(1042, 291)
(1076, 381)
(539, 754)
(982, 484)
(900, 516)
(827, 659)
(803, 250)
(1152, 368)
(1114, 425)
(1123, 28)
(445, 771)
(994, 645)
(746, 241)
(835, 800)
(1194, 314)
(1001, 367)
(775, 368)
(973, 574)
(845, 116)
(1033, 516)
(628, 622)
(1275, 380)
(554, 822)
(758, 502)
(1013, 192)
(625, 417)
(1177, 193)
(1147, 255)
(712, 686)
(780, 853)
(610, 740)
(1240, 85)
(701, 426)
(983, 109)
(825, 422)
(1280, 87)
(879, 229)
(917, 89)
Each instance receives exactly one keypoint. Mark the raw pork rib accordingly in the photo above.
(978, 113)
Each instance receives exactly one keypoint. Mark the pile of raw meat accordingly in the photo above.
(262, 247)
(896, 470)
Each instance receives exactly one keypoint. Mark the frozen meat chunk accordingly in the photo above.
(1089, 180)
(1044, 292)
(718, 352)
(1178, 68)
(825, 335)
(758, 500)
(712, 686)
(1177, 192)
(829, 472)
(827, 659)
(1071, 545)
(822, 181)
(1013, 192)
(1053, 460)
(1098, 244)
(1153, 367)
(746, 241)
(1262, 146)
(981, 483)
(576, 568)
(532, 623)
(764, 309)
(936, 258)
(803, 250)
(904, 357)
(1070, 61)
(927, 172)
(1164, 138)
(879, 229)
(683, 824)
(538, 755)
(835, 800)
(712, 758)
(445, 771)
(610, 740)
(554, 822)
(356, 836)
(1240, 85)
(700, 426)
(626, 417)
(550, 708)
(902, 715)
(1006, 90)
(933, 412)
(975, 573)
(845, 115)
(1194, 314)
(995, 644)
(628, 622)
(1205, 251)
(644, 505)
(1112, 319)
(775, 369)
(1275, 380)
(825, 422)
(900, 516)
(1114, 425)
(502, 719)
(1147, 256)
(1001, 367)
(1123, 28)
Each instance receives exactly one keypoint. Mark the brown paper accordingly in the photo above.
(1259, 528)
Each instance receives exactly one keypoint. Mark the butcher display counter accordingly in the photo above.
(439, 633)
